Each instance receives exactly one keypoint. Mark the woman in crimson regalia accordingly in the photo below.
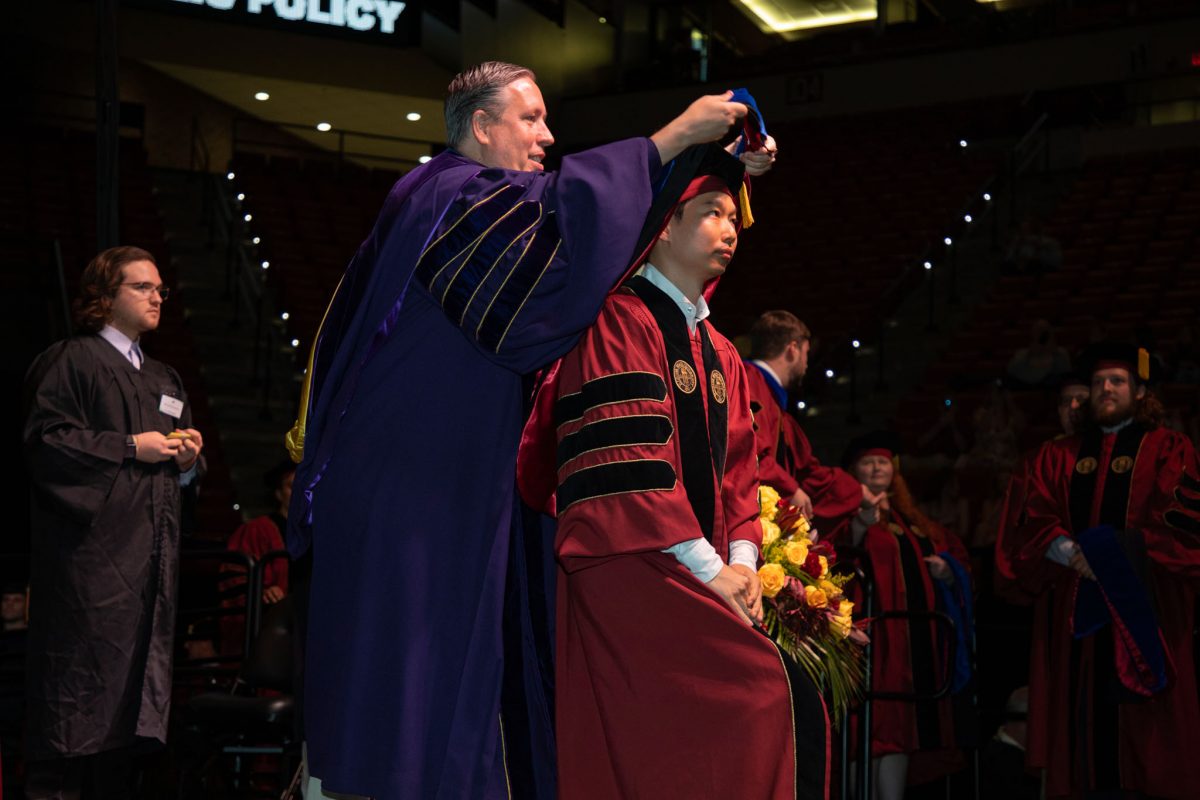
(917, 566)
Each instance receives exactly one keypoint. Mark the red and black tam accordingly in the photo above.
(1110, 355)
(876, 443)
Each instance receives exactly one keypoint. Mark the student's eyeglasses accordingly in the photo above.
(145, 288)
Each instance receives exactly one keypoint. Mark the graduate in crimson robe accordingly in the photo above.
(481, 268)
(779, 347)
(917, 566)
(1111, 545)
(642, 444)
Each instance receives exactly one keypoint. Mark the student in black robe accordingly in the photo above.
(108, 443)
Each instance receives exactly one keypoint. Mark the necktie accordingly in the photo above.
(135, 356)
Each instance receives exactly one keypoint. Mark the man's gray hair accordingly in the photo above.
(478, 88)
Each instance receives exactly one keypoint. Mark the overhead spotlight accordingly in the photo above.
(603, 20)
(967, 218)
(928, 265)
(237, 507)
(248, 217)
(241, 196)
(324, 127)
(987, 197)
(962, 142)
(828, 373)
(266, 265)
(261, 96)
(802, 405)
(230, 175)
(295, 342)
(425, 159)
(948, 241)
(284, 316)
(256, 240)
(412, 116)
(856, 344)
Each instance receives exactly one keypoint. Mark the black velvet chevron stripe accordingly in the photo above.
(458, 238)
(472, 273)
(518, 285)
(1181, 521)
(615, 432)
(619, 477)
(622, 387)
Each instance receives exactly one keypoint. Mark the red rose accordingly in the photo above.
(812, 564)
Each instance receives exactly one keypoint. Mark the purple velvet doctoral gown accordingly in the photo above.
(471, 279)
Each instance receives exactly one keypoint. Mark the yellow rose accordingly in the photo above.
(815, 597)
(773, 579)
(770, 531)
(801, 526)
(831, 589)
(845, 608)
(840, 625)
(796, 552)
(824, 566)
(768, 502)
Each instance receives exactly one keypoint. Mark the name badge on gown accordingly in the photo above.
(171, 406)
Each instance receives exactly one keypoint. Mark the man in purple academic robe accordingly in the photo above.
(481, 269)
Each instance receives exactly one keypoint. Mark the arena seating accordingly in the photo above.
(1131, 267)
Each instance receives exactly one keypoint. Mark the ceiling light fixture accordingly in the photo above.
(260, 96)
(412, 116)
(324, 127)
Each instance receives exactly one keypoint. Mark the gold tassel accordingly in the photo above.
(744, 207)
(1143, 364)
(294, 439)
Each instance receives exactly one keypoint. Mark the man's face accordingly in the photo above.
(12, 607)
(798, 349)
(874, 472)
(284, 493)
(1071, 398)
(702, 236)
(1113, 395)
(135, 310)
(517, 137)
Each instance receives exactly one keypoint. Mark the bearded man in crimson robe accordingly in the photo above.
(1111, 543)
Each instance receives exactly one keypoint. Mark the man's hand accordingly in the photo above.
(705, 120)
(757, 162)
(272, 594)
(734, 588)
(803, 502)
(1080, 565)
(192, 444)
(939, 569)
(753, 594)
(154, 448)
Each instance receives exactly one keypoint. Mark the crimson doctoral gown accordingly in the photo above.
(786, 460)
(1085, 728)
(908, 656)
(662, 691)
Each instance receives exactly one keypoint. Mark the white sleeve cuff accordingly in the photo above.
(699, 556)
(1061, 550)
(185, 478)
(744, 552)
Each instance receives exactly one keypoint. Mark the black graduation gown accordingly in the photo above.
(105, 551)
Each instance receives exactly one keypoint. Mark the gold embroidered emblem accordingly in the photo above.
(896, 529)
(717, 381)
(1122, 464)
(685, 376)
(1086, 466)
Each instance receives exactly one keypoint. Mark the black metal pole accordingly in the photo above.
(108, 107)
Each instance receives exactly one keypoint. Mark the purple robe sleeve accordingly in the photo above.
(522, 262)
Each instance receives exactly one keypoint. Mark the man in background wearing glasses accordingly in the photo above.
(108, 444)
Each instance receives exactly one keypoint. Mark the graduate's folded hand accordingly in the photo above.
(753, 607)
(153, 447)
(734, 588)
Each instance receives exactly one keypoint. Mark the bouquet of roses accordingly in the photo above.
(804, 603)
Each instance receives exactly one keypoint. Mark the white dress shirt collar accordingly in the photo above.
(767, 369)
(692, 312)
(124, 345)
